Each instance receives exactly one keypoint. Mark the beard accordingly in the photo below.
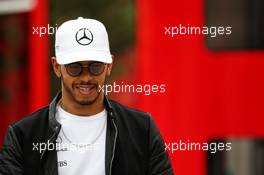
(70, 92)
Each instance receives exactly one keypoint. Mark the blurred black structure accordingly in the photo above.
(246, 19)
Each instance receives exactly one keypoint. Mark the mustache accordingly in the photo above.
(85, 83)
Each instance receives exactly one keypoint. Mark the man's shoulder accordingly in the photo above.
(36, 117)
(129, 112)
(118, 106)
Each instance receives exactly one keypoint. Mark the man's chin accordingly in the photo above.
(87, 100)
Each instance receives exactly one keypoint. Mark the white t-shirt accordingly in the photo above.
(81, 143)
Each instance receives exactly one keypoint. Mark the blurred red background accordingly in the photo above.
(209, 94)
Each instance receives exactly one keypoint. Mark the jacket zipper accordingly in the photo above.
(113, 148)
(47, 142)
(42, 154)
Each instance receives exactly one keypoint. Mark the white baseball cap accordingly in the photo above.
(82, 40)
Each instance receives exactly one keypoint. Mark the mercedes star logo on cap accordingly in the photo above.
(84, 36)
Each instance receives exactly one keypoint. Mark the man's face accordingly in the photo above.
(84, 88)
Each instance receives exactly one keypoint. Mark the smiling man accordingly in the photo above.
(82, 132)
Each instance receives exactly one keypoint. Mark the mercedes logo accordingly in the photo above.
(84, 36)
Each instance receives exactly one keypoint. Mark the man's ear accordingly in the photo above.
(56, 67)
(109, 66)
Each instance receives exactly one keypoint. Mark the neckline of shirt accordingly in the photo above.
(71, 116)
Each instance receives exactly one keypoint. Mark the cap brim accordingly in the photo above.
(100, 56)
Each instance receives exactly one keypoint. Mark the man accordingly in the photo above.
(81, 132)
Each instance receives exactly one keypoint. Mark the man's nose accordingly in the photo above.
(85, 75)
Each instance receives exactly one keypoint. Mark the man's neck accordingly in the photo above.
(83, 110)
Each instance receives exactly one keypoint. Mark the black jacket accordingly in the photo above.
(134, 145)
